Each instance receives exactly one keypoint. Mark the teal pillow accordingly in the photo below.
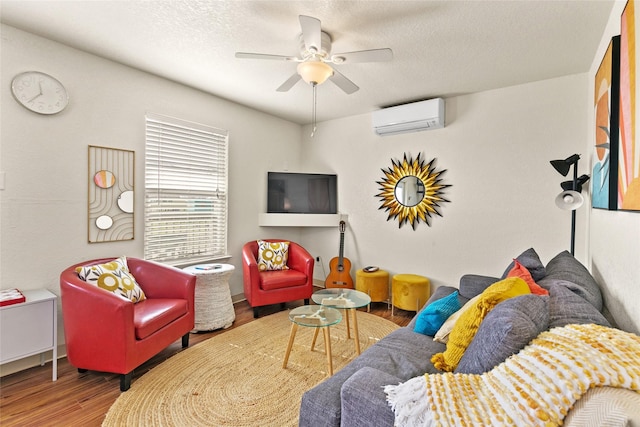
(430, 319)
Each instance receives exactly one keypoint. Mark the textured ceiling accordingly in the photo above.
(441, 48)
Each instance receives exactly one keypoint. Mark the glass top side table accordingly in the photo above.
(313, 316)
(346, 299)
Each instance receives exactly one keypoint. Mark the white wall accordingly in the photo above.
(43, 226)
(496, 148)
(615, 235)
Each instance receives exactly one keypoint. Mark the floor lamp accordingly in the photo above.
(570, 198)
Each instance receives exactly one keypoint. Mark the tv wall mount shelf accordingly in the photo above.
(300, 220)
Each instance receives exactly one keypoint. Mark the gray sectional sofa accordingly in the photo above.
(354, 396)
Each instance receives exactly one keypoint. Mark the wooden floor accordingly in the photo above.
(30, 398)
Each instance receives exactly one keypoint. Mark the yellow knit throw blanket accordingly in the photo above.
(536, 387)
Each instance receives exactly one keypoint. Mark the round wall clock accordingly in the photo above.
(39, 92)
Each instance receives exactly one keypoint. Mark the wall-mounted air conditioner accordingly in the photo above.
(414, 117)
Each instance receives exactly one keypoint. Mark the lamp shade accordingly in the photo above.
(563, 166)
(314, 72)
(569, 200)
(568, 185)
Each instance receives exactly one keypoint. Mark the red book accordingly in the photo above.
(11, 296)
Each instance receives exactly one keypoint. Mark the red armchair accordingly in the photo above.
(103, 332)
(273, 287)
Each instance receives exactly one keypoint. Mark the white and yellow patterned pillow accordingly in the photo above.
(114, 277)
(272, 255)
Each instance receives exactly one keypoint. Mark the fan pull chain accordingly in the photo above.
(313, 112)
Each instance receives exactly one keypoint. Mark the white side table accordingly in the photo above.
(29, 328)
(213, 304)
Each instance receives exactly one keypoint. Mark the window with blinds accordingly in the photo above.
(185, 191)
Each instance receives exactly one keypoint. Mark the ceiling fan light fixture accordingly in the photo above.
(314, 72)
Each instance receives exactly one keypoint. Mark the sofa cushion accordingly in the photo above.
(364, 402)
(521, 271)
(531, 261)
(440, 292)
(151, 315)
(605, 406)
(114, 277)
(565, 270)
(445, 330)
(468, 323)
(403, 354)
(270, 280)
(506, 330)
(472, 285)
(435, 314)
(272, 255)
(567, 307)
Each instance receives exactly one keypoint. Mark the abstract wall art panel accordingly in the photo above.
(604, 182)
(629, 152)
(111, 196)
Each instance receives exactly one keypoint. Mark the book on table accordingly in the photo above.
(11, 296)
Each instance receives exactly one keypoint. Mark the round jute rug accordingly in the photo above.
(236, 378)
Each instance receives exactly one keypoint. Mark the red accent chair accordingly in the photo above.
(273, 287)
(105, 333)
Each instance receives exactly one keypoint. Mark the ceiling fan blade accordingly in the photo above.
(311, 32)
(343, 83)
(291, 81)
(246, 55)
(373, 55)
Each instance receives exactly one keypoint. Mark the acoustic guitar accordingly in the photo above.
(340, 267)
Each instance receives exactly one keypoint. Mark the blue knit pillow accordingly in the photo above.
(435, 314)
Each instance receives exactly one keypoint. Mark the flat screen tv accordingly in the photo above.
(302, 193)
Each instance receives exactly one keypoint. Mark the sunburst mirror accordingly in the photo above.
(412, 191)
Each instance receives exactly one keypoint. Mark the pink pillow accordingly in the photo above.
(521, 271)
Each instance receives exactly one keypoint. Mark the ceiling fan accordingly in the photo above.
(315, 57)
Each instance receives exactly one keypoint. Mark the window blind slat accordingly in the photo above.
(185, 190)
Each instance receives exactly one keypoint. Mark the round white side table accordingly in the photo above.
(213, 304)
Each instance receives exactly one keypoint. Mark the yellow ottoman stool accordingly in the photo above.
(409, 292)
(374, 284)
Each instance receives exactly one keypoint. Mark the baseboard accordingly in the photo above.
(31, 361)
(238, 298)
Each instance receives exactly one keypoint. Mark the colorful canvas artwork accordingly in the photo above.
(629, 149)
(604, 182)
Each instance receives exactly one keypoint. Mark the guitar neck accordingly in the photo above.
(341, 253)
